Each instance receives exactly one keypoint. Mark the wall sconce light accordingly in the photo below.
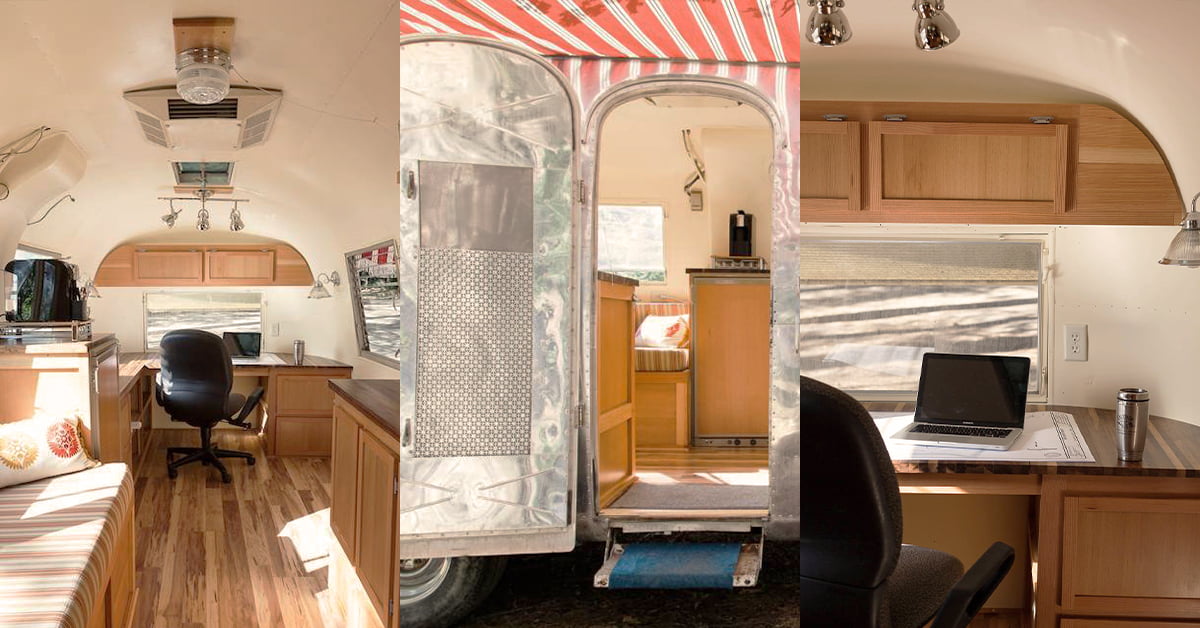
(90, 291)
(1184, 249)
(318, 290)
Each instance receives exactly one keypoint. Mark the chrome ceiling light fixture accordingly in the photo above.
(935, 28)
(235, 219)
(827, 24)
(1184, 249)
(203, 218)
(202, 75)
(172, 216)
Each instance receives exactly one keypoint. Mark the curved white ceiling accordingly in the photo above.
(1137, 57)
(324, 178)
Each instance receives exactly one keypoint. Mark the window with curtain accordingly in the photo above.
(629, 242)
(212, 311)
(869, 309)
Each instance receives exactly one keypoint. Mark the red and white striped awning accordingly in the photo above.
(754, 31)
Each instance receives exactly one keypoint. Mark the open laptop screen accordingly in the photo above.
(243, 344)
(973, 389)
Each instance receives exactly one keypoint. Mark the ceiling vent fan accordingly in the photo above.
(202, 112)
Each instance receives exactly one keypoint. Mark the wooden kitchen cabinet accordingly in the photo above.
(180, 267)
(240, 267)
(1013, 172)
(301, 406)
(616, 429)
(344, 486)
(830, 166)
(378, 473)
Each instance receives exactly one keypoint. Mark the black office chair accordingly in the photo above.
(855, 569)
(193, 385)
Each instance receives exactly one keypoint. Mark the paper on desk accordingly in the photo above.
(1048, 437)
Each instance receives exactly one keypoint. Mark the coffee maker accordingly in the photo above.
(43, 290)
(741, 234)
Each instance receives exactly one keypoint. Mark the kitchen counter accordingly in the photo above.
(43, 345)
(377, 399)
(755, 272)
(133, 363)
(617, 279)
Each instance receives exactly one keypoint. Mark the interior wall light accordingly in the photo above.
(89, 289)
(235, 219)
(827, 24)
(1184, 249)
(935, 28)
(318, 290)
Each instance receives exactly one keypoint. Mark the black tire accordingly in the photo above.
(443, 591)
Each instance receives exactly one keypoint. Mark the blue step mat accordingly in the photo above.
(676, 566)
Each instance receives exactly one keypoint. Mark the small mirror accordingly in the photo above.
(372, 273)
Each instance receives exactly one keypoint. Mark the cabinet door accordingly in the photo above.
(344, 486)
(732, 366)
(241, 267)
(614, 358)
(975, 172)
(830, 168)
(376, 543)
(1131, 556)
(304, 395)
(168, 267)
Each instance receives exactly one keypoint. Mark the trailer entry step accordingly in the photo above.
(680, 566)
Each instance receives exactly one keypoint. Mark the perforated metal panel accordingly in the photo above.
(474, 353)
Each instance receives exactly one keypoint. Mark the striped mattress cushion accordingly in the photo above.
(660, 359)
(642, 309)
(56, 537)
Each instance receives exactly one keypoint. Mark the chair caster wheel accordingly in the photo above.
(250, 462)
(226, 478)
(172, 473)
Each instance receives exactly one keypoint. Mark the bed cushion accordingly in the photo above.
(56, 538)
(41, 447)
(667, 332)
(658, 359)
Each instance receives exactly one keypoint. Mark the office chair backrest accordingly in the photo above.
(195, 377)
(850, 519)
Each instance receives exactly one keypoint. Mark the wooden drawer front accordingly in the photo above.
(168, 268)
(830, 166)
(936, 166)
(241, 267)
(1131, 555)
(303, 436)
(304, 395)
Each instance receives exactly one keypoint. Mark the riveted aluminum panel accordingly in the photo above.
(486, 104)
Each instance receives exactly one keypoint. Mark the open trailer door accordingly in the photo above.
(488, 385)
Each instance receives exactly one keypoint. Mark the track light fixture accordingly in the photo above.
(203, 219)
(935, 28)
(827, 24)
(235, 219)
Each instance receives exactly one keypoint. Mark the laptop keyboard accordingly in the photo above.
(955, 430)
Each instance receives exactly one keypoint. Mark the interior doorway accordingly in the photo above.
(684, 200)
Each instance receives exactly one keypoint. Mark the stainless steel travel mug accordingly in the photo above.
(298, 352)
(1133, 421)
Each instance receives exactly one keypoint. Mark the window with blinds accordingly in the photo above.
(869, 309)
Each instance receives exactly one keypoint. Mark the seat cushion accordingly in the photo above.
(919, 584)
(657, 359)
(56, 536)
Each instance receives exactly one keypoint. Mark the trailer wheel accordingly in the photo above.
(437, 592)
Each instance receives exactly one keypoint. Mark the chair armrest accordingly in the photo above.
(975, 587)
(247, 408)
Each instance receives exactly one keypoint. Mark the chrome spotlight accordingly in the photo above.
(935, 28)
(827, 24)
(172, 216)
(202, 223)
(235, 219)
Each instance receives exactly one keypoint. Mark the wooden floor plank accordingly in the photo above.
(238, 555)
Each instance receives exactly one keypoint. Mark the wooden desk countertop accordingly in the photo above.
(131, 365)
(1172, 449)
(378, 399)
(53, 346)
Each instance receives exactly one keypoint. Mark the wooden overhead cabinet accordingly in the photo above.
(240, 267)
(830, 164)
(164, 265)
(1011, 172)
(168, 267)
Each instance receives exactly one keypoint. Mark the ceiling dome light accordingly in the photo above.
(202, 75)
(827, 24)
(935, 28)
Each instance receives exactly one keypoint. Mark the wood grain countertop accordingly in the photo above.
(53, 346)
(378, 399)
(1172, 449)
(751, 272)
(132, 365)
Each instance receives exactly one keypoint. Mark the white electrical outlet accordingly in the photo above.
(1075, 343)
(274, 329)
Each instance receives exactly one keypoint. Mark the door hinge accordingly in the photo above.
(579, 192)
(395, 485)
(578, 419)
(391, 607)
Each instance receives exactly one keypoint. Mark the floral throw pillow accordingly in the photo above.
(41, 447)
(670, 332)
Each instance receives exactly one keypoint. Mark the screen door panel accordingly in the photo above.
(486, 170)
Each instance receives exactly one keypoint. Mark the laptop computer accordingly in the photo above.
(244, 346)
(973, 401)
